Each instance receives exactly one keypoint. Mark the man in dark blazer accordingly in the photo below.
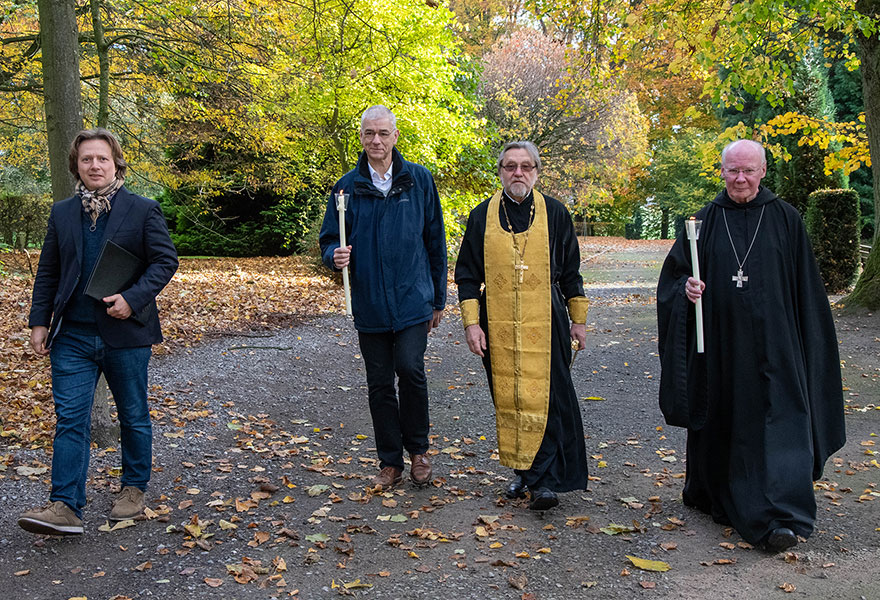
(86, 337)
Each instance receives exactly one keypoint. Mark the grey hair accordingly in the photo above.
(379, 112)
(738, 142)
(521, 145)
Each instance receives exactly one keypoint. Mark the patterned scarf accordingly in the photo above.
(97, 201)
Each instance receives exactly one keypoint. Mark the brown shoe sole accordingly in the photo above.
(423, 482)
(44, 528)
(396, 481)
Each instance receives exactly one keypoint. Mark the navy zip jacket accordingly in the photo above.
(398, 246)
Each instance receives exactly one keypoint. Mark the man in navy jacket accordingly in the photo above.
(86, 337)
(396, 252)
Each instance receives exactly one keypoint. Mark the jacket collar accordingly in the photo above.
(401, 179)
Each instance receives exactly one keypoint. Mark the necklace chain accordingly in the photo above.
(520, 254)
(730, 237)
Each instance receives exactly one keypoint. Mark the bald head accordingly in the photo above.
(743, 166)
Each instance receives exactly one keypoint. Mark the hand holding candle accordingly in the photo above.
(692, 227)
(341, 202)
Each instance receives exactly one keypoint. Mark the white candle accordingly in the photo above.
(340, 206)
(691, 227)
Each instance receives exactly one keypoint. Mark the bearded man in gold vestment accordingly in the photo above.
(524, 311)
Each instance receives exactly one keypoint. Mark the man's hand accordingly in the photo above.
(119, 309)
(476, 339)
(434, 323)
(341, 257)
(693, 289)
(579, 333)
(39, 336)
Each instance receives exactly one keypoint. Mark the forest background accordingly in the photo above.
(238, 115)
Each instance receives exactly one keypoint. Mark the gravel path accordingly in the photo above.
(263, 444)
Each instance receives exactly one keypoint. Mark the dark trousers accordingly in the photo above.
(399, 420)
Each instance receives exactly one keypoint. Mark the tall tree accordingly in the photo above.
(589, 134)
(59, 40)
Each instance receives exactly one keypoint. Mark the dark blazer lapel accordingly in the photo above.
(121, 205)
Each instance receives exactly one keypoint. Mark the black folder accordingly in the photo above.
(116, 270)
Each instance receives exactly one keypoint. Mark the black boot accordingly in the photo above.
(781, 538)
(543, 499)
(516, 489)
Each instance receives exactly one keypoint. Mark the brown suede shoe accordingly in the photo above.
(56, 518)
(420, 471)
(388, 477)
(128, 505)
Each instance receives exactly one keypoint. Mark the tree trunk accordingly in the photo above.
(867, 291)
(103, 64)
(62, 99)
(62, 96)
(664, 223)
(105, 431)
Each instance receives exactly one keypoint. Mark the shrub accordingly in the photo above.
(833, 226)
(23, 219)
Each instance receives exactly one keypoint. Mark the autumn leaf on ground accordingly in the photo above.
(317, 490)
(614, 529)
(788, 588)
(357, 585)
(649, 565)
(518, 582)
(120, 525)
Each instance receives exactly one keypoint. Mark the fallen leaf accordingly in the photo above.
(518, 582)
(649, 565)
(116, 527)
(213, 582)
(614, 529)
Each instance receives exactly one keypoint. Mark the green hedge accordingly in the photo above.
(833, 226)
(23, 219)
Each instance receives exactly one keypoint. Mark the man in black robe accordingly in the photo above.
(517, 267)
(763, 404)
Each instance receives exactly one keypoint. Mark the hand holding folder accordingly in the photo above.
(115, 271)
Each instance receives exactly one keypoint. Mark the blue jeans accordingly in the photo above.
(398, 422)
(78, 358)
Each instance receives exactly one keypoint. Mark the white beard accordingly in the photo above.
(519, 190)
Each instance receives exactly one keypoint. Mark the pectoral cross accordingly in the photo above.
(739, 278)
(521, 269)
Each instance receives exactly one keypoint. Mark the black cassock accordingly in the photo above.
(764, 404)
(561, 462)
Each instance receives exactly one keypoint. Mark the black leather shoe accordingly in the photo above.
(516, 489)
(543, 499)
(780, 539)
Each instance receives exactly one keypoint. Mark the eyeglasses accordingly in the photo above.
(512, 167)
(382, 133)
(738, 172)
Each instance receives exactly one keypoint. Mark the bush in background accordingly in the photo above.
(23, 219)
(833, 226)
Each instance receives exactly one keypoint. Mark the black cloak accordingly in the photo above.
(561, 461)
(764, 404)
